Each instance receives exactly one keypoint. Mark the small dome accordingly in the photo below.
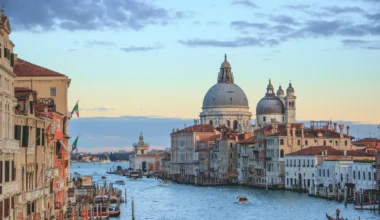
(290, 89)
(270, 105)
(270, 86)
(280, 92)
(225, 64)
(225, 95)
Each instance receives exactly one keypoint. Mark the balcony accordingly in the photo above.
(9, 146)
(58, 205)
(10, 188)
(32, 195)
(244, 155)
(31, 149)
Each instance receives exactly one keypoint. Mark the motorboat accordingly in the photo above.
(113, 211)
(103, 177)
(120, 182)
(242, 200)
(368, 205)
(164, 183)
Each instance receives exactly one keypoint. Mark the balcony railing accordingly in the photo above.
(9, 146)
(32, 195)
(10, 187)
(31, 149)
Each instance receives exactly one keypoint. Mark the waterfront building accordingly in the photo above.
(183, 149)
(244, 167)
(10, 173)
(144, 160)
(35, 182)
(364, 175)
(225, 103)
(203, 151)
(165, 165)
(377, 166)
(223, 161)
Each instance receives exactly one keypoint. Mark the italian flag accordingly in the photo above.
(75, 109)
(74, 145)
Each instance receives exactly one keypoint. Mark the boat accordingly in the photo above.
(330, 217)
(113, 211)
(120, 182)
(242, 200)
(164, 183)
(104, 198)
(103, 177)
(368, 206)
(134, 178)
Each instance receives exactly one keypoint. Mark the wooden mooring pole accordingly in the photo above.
(133, 209)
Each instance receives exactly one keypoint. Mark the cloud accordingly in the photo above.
(96, 109)
(245, 3)
(341, 10)
(374, 17)
(42, 15)
(297, 7)
(240, 42)
(99, 43)
(240, 25)
(141, 49)
(213, 23)
(363, 44)
(284, 19)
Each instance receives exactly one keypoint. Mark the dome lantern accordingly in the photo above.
(225, 75)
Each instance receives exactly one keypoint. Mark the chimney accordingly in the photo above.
(341, 127)
(348, 130)
(335, 126)
(302, 130)
(173, 130)
(273, 120)
(288, 130)
(177, 129)
(275, 128)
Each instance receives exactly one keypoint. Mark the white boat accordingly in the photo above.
(368, 206)
(163, 183)
(242, 200)
(105, 161)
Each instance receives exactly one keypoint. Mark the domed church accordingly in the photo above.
(276, 106)
(225, 103)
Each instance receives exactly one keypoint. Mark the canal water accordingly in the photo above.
(186, 202)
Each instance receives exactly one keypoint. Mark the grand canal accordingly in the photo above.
(188, 202)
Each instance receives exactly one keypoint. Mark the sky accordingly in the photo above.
(159, 58)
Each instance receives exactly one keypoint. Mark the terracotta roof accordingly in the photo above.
(317, 151)
(330, 151)
(24, 68)
(368, 140)
(279, 127)
(250, 140)
(212, 138)
(311, 133)
(196, 128)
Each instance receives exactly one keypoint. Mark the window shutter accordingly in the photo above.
(12, 59)
(25, 136)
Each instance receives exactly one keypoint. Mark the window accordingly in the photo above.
(228, 123)
(345, 143)
(264, 119)
(281, 153)
(1, 172)
(299, 142)
(287, 181)
(323, 172)
(369, 176)
(363, 175)
(7, 169)
(328, 173)
(306, 142)
(230, 145)
(290, 162)
(353, 174)
(286, 162)
(53, 91)
(324, 143)
(25, 136)
(17, 132)
(235, 125)
(13, 171)
(38, 137)
(281, 141)
(283, 119)
(336, 143)
(211, 122)
(308, 163)
(359, 175)
(31, 107)
(312, 163)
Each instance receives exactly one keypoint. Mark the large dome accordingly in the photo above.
(225, 95)
(270, 105)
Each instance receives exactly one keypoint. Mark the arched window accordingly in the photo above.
(281, 141)
(324, 143)
(264, 119)
(228, 123)
(235, 125)
(306, 142)
(299, 142)
(211, 123)
(345, 143)
(282, 153)
(231, 146)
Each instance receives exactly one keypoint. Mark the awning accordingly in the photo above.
(64, 146)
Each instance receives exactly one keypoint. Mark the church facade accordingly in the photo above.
(226, 104)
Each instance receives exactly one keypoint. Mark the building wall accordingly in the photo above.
(300, 167)
(43, 85)
(220, 116)
(365, 176)
(243, 162)
(264, 119)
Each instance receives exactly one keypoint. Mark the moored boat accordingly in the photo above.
(164, 183)
(242, 200)
(104, 198)
(368, 206)
(120, 182)
(103, 177)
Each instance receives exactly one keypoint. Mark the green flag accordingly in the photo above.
(75, 109)
(74, 145)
